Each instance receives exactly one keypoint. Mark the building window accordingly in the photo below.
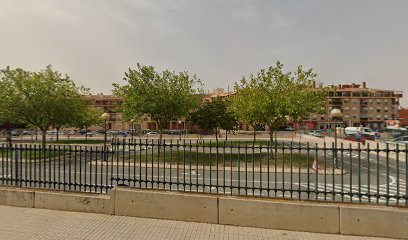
(354, 116)
(346, 100)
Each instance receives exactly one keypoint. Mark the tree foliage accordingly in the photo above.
(40, 99)
(272, 96)
(165, 96)
(214, 115)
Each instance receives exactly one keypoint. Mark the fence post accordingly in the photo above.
(16, 156)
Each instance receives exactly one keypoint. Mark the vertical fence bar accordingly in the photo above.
(335, 161)
(216, 164)
(268, 155)
(203, 164)
(190, 162)
(368, 173)
(97, 150)
(197, 167)
(275, 153)
(351, 172)
(231, 167)
(359, 171)
(80, 167)
(184, 165)
(397, 163)
(388, 173)
(325, 171)
(308, 170)
(299, 170)
(210, 166)
(164, 163)
(342, 172)
(378, 172)
(223, 170)
(253, 168)
(85, 167)
(140, 164)
(406, 174)
(30, 158)
(291, 169)
(26, 165)
(239, 168)
(316, 172)
(35, 166)
(3, 150)
(178, 165)
(75, 167)
(90, 167)
(260, 169)
(246, 168)
(283, 170)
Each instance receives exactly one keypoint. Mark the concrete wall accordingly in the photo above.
(362, 220)
(166, 205)
(295, 216)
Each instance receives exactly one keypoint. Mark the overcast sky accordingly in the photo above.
(96, 41)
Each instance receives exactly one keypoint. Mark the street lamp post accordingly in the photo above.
(179, 123)
(335, 113)
(105, 117)
(132, 121)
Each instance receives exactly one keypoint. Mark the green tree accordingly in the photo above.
(38, 99)
(165, 96)
(88, 117)
(244, 104)
(274, 96)
(212, 116)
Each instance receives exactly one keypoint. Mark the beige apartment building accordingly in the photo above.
(361, 106)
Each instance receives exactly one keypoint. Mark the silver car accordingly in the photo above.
(399, 140)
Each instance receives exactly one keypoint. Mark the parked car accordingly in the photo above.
(399, 140)
(290, 129)
(152, 133)
(362, 139)
(83, 131)
(362, 130)
(28, 132)
(315, 133)
(52, 132)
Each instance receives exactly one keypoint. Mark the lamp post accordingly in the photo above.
(179, 123)
(105, 117)
(132, 121)
(335, 113)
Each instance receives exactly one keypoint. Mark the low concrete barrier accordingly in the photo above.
(77, 202)
(274, 214)
(374, 221)
(166, 205)
(17, 197)
(337, 218)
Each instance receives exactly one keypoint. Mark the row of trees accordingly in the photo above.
(43, 100)
(48, 99)
(270, 97)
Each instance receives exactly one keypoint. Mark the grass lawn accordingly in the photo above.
(229, 159)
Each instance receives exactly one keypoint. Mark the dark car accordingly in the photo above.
(83, 131)
(362, 139)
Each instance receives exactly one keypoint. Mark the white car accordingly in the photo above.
(152, 133)
(399, 140)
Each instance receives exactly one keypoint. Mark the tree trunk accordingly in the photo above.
(44, 138)
(226, 135)
(216, 134)
(254, 133)
(271, 141)
(9, 142)
(86, 134)
(58, 128)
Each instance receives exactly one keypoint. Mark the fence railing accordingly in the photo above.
(363, 174)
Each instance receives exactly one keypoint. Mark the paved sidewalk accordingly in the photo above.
(30, 223)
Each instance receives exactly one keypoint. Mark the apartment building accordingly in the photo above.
(361, 106)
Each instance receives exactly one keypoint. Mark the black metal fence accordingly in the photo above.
(363, 174)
